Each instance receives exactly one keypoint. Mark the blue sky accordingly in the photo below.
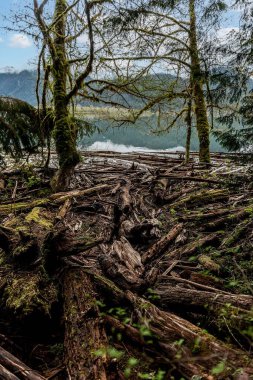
(19, 52)
(16, 49)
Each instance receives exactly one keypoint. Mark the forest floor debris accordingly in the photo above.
(141, 270)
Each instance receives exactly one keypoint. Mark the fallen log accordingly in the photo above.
(54, 199)
(169, 328)
(125, 200)
(177, 295)
(63, 196)
(192, 179)
(17, 367)
(228, 219)
(7, 375)
(159, 247)
(84, 333)
(227, 311)
(203, 197)
(189, 249)
(122, 263)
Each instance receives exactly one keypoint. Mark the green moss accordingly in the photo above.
(26, 294)
(19, 206)
(39, 216)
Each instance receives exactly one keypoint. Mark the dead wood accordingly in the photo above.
(17, 367)
(189, 249)
(167, 328)
(122, 263)
(84, 333)
(203, 197)
(6, 375)
(111, 229)
(159, 247)
(177, 295)
(125, 200)
(229, 219)
(62, 197)
(21, 246)
(191, 179)
(138, 233)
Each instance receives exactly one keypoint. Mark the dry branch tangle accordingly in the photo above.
(124, 215)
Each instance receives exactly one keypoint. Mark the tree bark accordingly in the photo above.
(65, 133)
(84, 334)
(198, 93)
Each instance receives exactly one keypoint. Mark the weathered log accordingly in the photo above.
(159, 247)
(168, 329)
(138, 232)
(159, 189)
(63, 196)
(192, 179)
(228, 219)
(125, 200)
(122, 263)
(189, 249)
(177, 295)
(56, 198)
(84, 333)
(6, 375)
(17, 367)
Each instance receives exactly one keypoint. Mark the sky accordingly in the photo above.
(18, 52)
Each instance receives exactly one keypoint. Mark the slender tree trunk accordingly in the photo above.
(189, 131)
(64, 130)
(198, 93)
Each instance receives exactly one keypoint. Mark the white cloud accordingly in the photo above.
(83, 39)
(20, 41)
(224, 33)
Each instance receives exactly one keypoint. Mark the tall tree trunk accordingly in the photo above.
(64, 130)
(198, 93)
(189, 129)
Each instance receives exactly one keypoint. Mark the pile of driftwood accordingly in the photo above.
(142, 270)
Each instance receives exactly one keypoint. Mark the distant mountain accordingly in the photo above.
(19, 85)
(22, 85)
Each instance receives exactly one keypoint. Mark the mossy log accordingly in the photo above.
(21, 206)
(28, 293)
(203, 197)
(54, 199)
(228, 219)
(20, 246)
(239, 232)
(84, 332)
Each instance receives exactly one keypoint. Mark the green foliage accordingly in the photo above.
(219, 368)
(18, 127)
